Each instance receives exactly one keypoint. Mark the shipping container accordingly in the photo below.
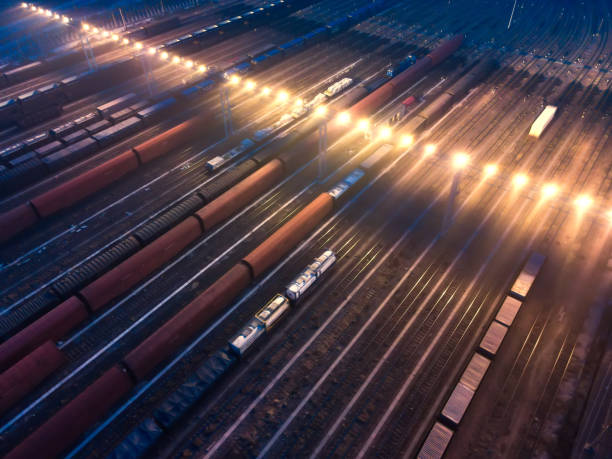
(527, 276)
(37, 140)
(457, 404)
(493, 338)
(508, 311)
(475, 371)
(542, 121)
(218, 161)
(157, 110)
(436, 442)
(63, 129)
(49, 148)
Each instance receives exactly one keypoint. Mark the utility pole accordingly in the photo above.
(89, 54)
(226, 109)
(123, 19)
(459, 162)
(322, 148)
(148, 71)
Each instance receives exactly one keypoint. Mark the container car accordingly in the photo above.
(338, 87)
(393, 70)
(493, 338)
(298, 286)
(508, 311)
(273, 311)
(436, 442)
(218, 161)
(542, 121)
(249, 334)
(527, 276)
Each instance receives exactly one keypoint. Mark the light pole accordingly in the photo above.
(460, 160)
(321, 113)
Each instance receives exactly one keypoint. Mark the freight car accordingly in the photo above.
(451, 95)
(464, 391)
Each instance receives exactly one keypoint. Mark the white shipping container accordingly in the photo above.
(458, 403)
(475, 371)
(525, 280)
(337, 87)
(493, 338)
(542, 121)
(436, 442)
(508, 311)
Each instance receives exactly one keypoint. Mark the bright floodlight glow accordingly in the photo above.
(125, 41)
(249, 85)
(189, 64)
(138, 45)
(583, 202)
(298, 102)
(430, 149)
(164, 55)
(115, 37)
(234, 80)
(406, 140)
(24, 5)
(282, 96)
(321, 111)
(152, 50)
(48, 13)
(363, 125)
(176, 60)
(344, 118)
(520, 180)
(549, 190)
(56, 16)
(385, 133)
(85, 26)
(65, 19)
(460, 160)
(609, 216)
(202, 68)
(34, 8)
(95, 30)
(105, 34)
(490, 170)
(266, 91)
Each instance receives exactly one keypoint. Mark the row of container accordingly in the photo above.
(167, 413)
(34, 106)
(42, 103)
(24, 216)
(48, 152)
(270, 55)
(214, 33)
(285, 121)
(62, 429)
(460, 398)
